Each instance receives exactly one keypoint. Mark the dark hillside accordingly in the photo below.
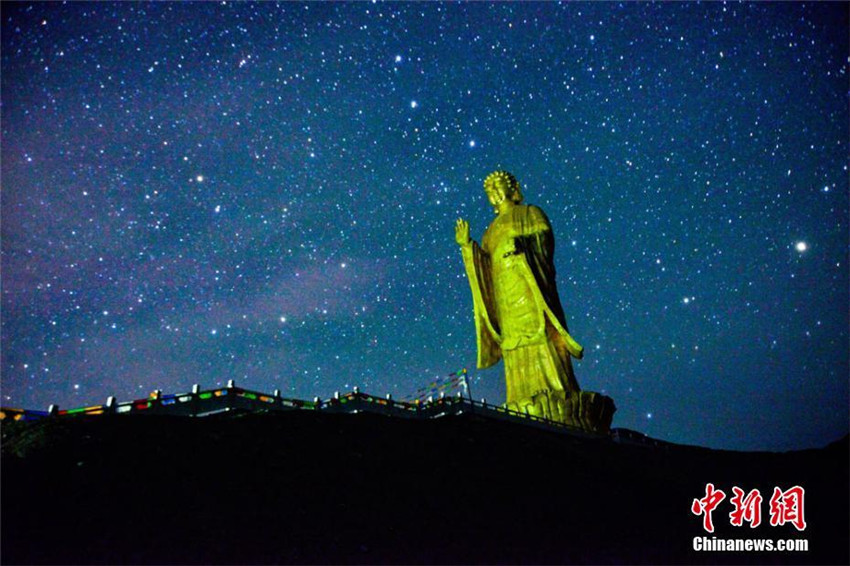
(309, 487)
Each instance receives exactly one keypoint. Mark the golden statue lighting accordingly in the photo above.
(518, 314)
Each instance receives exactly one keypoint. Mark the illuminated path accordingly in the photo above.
(229, 399)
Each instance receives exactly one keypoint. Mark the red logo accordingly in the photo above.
(785, 507)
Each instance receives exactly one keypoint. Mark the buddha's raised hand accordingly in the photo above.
(462, 232)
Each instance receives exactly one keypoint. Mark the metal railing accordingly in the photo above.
(209, 402)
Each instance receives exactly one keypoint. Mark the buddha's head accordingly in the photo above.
(501, 186)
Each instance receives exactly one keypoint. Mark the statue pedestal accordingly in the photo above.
(586, 410)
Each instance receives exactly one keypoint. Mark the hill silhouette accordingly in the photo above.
(312, 487)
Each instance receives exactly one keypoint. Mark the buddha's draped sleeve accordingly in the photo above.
(537, 244)
(480, 275)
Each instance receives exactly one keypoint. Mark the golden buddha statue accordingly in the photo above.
(518, 313)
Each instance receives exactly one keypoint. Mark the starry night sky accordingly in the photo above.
(193, 193)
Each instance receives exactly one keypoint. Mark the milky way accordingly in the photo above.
(199, 192)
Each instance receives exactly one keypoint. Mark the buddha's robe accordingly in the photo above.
(517, 310)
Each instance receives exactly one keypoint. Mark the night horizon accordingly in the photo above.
(194, 193)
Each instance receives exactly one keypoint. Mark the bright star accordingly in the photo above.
(199, 178)
(413, 104)
(471, 143)
(801, 246)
